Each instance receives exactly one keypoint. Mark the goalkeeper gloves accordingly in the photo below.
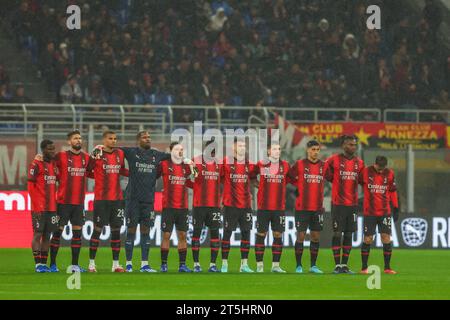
(97, 152)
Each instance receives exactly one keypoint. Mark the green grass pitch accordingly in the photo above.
(423, 274)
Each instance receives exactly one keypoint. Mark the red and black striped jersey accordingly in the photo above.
(207, 184)
(344, 175)
(174, 176)
(309, 178)
(107, 171)
(72, 169)
(42, 178)
(273, 178)
(379, 188)
(236, 183)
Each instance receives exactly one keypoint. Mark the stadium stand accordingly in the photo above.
(281, 53)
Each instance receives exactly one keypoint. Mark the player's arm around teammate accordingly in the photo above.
(175, 206)
(379, 190)
(206, 204)
(72, 172)
(237, 211)
(108, 165)
(42, 190)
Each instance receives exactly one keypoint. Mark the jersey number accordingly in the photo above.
(120, 213)
(216, 216)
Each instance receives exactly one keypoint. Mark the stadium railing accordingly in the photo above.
(163, 119)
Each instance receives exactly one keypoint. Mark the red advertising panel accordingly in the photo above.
(15, 217)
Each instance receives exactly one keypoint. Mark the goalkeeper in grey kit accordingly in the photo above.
(143, 162)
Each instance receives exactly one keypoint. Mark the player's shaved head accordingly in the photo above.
(143, 139)
(142, 133)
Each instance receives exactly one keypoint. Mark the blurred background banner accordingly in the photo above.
(389, 136)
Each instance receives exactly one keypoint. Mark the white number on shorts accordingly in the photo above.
(387, 221)
(321, 218)
(354, 217)
(54, 219)
(216, 216)
(120, 213)
(282, 219)
(249, 216)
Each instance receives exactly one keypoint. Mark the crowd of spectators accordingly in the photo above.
(281, 53)
(9, 93)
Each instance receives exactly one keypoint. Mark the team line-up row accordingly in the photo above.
(221, 197)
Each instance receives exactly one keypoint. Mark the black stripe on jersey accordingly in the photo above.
(370, 174)
(46, 187)
(340, 182)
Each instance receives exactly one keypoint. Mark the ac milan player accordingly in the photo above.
(273, 177)
(143, 162)
(175, 205)
(309, 176)
(42, 177)
(236, 175)
(344, 171)
(72, 166)
(206, 204)
(379, 191)
(108, 165)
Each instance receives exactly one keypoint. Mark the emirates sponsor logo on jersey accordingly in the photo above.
(313, 178)
(76, 172)
(238, 178)
(145, 167)
(377, 188)
(210, 175)
(272, 178)
(111, 168)
(50, 179)
(348, 175)
(177, 180)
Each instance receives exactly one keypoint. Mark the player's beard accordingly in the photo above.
(77, 147)
(145, 146)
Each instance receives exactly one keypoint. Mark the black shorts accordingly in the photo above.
(232, 217)
(108, 212)
(309, 219)
(138, 212)
(177, 217)
(208, 216)
(276, 219)
(344, 218)
(70, 212)
(383, 223)
(44, 222)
